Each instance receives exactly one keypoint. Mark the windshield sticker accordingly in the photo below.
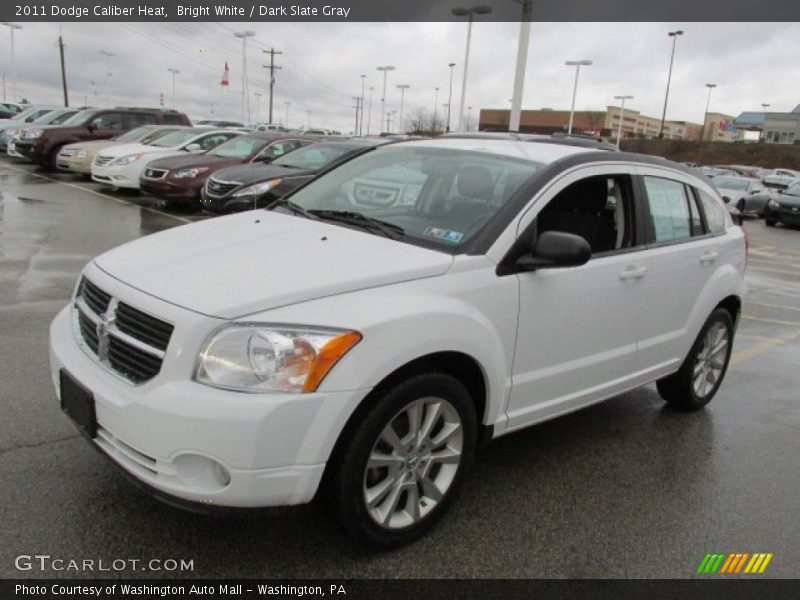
(446, 235)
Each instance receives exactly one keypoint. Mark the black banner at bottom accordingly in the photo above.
(563, 589)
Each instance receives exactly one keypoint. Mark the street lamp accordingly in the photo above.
(577, 64)
(12, 27)
(402, 87)
(369, 109)
(621, 116)
(674, 35)
(286, 105)
(385, 70)
(435, 107)
(468, 124)
(245, 96)
(361, 122)
(108, 56)
(174, 72)
(308, 126)
(469, 13)
(710, 87)
(450, 95)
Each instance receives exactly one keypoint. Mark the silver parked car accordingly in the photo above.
(747, 194)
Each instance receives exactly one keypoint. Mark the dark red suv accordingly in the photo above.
(42, 144)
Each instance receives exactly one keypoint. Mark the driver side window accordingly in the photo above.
(598, 209)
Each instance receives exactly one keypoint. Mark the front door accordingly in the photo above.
(578, 326)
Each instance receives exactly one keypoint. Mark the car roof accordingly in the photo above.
(546, 152)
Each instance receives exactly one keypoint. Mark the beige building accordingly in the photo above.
(720, 128)
(600, 123)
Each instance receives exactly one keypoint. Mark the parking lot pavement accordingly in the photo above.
(626, 488)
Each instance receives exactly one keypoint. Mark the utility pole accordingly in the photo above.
(522, 60)
(174, 72)
(245, 86)
(402, 87)
(621, 115)
(369, 110)
(361, 125)
(63, 69)
(674, 35)
(435, 107)
(108, 56)
(12, 27)
(450, 96)
(271, 66)
(287, 104)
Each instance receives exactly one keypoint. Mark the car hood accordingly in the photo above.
(94, 145)
(242, 264)
(193, 160)
(788, 199)
(253, 173)
(732, 194)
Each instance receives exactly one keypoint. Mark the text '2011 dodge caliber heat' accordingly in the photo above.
(356, 340)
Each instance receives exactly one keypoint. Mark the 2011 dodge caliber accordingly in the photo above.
(356, 340)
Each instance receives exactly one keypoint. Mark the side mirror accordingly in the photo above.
(554, 249)
(91, 127)
(194, 147)
(726, 200)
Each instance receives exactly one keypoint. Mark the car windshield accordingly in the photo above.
(792, 190)
(240, 147)
(433, 197)
(79, 118)
(25, 114)
(174, 138)
(55, 117)
(134, 135)
(731, 183)
(311, 157)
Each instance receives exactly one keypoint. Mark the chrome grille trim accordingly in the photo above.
(101, 160)
(217, 188)
(154, 173)
(134, 351)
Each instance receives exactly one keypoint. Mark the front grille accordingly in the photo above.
(122, 338)
(100, 160)
(217, 188)
(155, 173)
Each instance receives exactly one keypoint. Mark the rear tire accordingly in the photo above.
(389, 485)
(702, 372)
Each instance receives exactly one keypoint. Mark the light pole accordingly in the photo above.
(108, 56)
(369, 109)
(522, 60)
(286, 105)
(435, 107)
(450, 94)
(12, 27)
(710, 87)
(577, 64)
(245, 95)
(174, 72)
(674, 35)
(385, 70)
(258, 104)
(469, 13)
(402, 87)
(468, 124)
(308, 126)
(621, 116)
(361, 123)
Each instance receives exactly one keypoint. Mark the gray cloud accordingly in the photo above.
(322, 63)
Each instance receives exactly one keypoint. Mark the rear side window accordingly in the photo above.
(172, 119)
(670, 213)
(715, 213)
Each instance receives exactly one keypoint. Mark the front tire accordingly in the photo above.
(405, 463)
(770, 222)
(702, 372)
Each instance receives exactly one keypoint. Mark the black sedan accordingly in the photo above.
(784, 208)
(252, 186)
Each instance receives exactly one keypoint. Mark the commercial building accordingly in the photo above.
(772, 127)
(720, 128)
(602, 122)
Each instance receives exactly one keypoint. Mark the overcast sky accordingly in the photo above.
(321, 64)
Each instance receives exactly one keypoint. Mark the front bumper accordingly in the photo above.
(784, 214)
(117, 176)
(177, 437)
(29, 150)
(75, 164)
(175, 190)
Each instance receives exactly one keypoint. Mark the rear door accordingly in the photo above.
(682, 255)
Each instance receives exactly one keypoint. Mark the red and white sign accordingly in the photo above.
(226, 75)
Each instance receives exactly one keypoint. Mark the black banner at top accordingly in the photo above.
(399, 10)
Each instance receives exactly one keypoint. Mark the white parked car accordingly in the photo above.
(357, 347)
(121, 166)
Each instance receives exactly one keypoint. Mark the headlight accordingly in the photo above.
(774, 204)
(32, 134)
(189, 173)
(126, 160)
(258, 188)
(260, 358)
(81, 154)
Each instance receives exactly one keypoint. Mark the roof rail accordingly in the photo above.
(564, 139)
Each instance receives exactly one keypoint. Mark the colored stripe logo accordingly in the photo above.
(731, 563)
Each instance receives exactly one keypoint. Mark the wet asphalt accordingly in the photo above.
(627, 488)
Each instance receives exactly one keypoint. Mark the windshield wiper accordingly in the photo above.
(293, 207)
(361, 220)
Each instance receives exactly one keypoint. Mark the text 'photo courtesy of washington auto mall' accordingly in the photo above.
(371, 299)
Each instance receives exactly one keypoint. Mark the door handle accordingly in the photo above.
(708, 257)
(633, 272)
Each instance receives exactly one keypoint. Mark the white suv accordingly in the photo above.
(355, 341)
